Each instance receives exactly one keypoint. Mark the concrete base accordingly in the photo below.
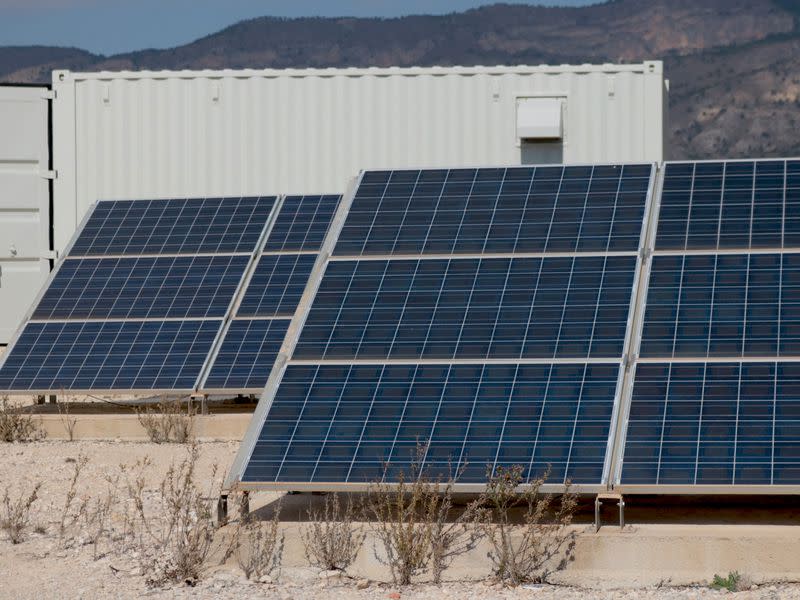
(641, 555)
(127, 427)
(644, 556)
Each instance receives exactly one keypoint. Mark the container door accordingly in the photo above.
(24, 202)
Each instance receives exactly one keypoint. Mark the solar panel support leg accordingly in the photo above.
(222, 509)
(245, 505)
(598, 501)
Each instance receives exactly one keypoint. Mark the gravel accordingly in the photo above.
(41, 567)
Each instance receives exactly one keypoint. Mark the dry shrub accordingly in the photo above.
(259, 545)
(448, 538)
(169, 423)
(412, 522)
(72, 512)
(174, 539)
(97, 514)
(16, 514)
(67, 420)
(542, 543)
(397, 508)
(332, 539)
(16, 425)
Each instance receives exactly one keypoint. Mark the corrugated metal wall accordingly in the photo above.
(161, 134)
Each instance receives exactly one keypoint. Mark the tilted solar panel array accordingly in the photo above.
(480, 312)
(256, 331)
(716, 394)
(140, 297)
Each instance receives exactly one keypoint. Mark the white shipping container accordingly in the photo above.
(250, 132)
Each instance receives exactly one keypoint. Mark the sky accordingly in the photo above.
(115, 26)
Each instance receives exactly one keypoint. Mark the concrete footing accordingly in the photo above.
(127, 427)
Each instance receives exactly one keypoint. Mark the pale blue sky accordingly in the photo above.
(113, 26)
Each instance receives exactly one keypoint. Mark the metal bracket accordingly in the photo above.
(49, 254)
(598, 501)
(48, 174)
(48, 95)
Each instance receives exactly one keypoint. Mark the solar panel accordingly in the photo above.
(340, 423)
(302, 223)
(712, 403)
(109, 355)
(480, 312)
(247, 354)
(176, 226)
(470, 308)
(714, 424)
(277, 285)
(737, 204)
(723, 305)
(143, 287)
(521, 209)
(140, 300)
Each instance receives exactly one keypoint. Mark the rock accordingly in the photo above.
(393, 595)
(332, 574)
(265, 579)
(362, 584)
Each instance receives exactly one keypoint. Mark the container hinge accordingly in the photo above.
(48, 95)
(50, 254)
(48, 174)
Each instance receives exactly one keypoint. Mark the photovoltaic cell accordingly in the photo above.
(302, 223)
(178, 226)
(109, 355)
(143, 287)
(247, 354)
(714, 424)
(277, 285)
(729, 305)
(524, 209)
(470, 308)
(343, 423)
(740, 204)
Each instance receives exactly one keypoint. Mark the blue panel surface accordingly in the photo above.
(470, 308)
(143, 287)
(714, 424)
(277, 285)
(343, 423)
(523, 209)
(302, 223)
(740, 204)
(730, 305)
(247, 354)
(177, 226)
(109, 355)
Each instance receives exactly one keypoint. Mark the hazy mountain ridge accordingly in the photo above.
(734, 65)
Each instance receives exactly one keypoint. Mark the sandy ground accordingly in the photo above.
(41, 567)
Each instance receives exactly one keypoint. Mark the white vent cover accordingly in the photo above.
(539, 118)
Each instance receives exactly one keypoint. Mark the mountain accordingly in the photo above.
(734, 65)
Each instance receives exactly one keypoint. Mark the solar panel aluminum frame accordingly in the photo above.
(236, 471)
(615, 483)
(233, 481)
(633, 329)
(65, 256)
